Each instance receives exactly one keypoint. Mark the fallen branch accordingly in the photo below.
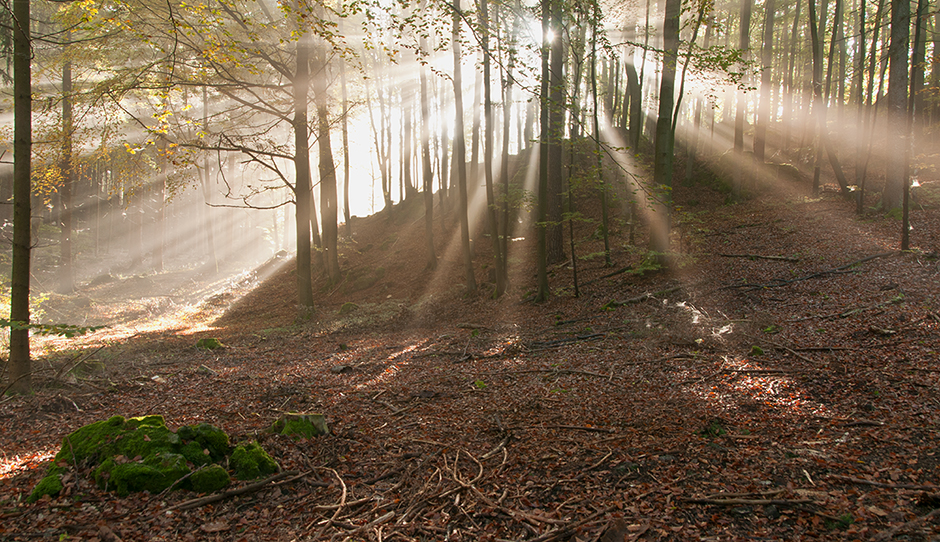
(639, 299)
(562, 532)
(895, 530)
(250, 488)
(545, 345)
(759, 257)
(776, 283)
(882, 484)
(750, 502)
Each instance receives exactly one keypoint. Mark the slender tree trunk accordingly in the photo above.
(427, 177)
(898, 135)
(665, 135)
(543, 292)
(598, 157)
(740, 116)
(915, 103)
(302, 179)
(206, 190)
(868, 114)
(20, 370)
(556, 121)
(460, 156)
(635, 142)
(326, 167)
(66, 278)
(342, 78)
(763, 115)
(491, 204)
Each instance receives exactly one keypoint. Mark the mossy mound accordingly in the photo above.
(209, 479)
(210, 343)
(142, 454)
(250, 461)
(300, 425)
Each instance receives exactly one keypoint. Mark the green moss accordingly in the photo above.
(302, 425)
(209, 343)
(348, 307)
(154, 474)
(85, 443)
(209, 479)
(250, 461)
(142, 454)
(208, 437)
(50, 485)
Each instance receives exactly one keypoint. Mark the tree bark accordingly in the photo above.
(20, 370)
(491, 204)
(898, 135)
(326, 168)
(556, 127)
(541, 259)
(66, 278)
(460, 156)
(763, 114)
(663, 154)
(302, 182)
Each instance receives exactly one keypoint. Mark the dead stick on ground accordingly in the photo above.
(882, 484)
(889, 534)
(753, 502)
(759, 257)
(339, 508)
(641, 298)
(251, 488)
(563, 531)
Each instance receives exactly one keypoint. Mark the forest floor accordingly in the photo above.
(780, 382)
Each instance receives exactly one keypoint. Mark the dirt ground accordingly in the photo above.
(779, 382)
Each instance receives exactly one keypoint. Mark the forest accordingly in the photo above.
(557, 270)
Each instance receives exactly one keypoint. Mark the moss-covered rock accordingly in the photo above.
(155, 473)
(142, 454)
(209, 479)
(51, 484)
(208, 437)
(250, 461)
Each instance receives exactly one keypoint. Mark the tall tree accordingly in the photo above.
(460, 154)
(898, 135)
(740, 116)
(491, 204)
(20, 366)
(766, 55)
(556, 133)
(541, 257)
(665, 136)
(427, 175)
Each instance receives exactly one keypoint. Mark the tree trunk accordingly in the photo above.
(20, 370)
(665, 135)
(491, 204)
(897, 105)
(740, 116)
(766, 54)
(426, 173)
(302, 179)
(541, 259)
(342, 78)
(326, 168)
(66, 278)
(556, 122)
(460, 156)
